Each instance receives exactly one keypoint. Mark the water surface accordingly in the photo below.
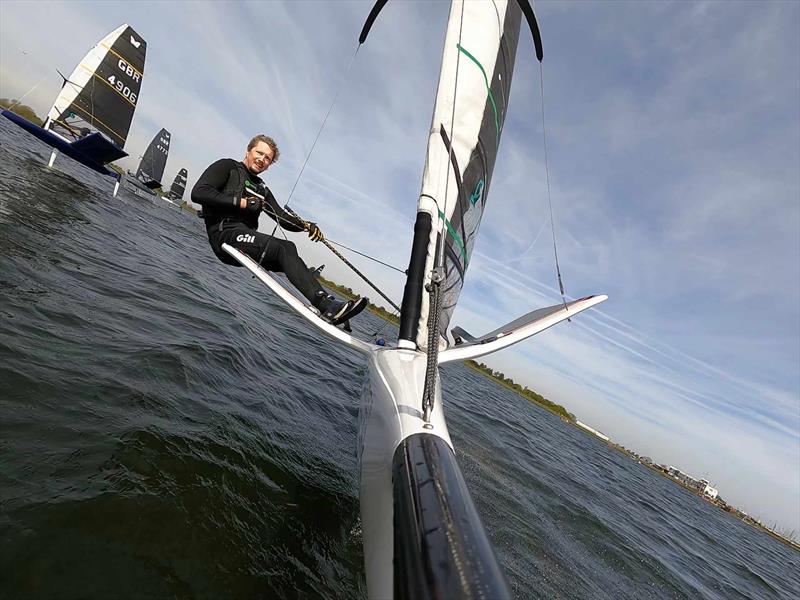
(170, 430)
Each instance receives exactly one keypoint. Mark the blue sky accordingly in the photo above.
(674, 152)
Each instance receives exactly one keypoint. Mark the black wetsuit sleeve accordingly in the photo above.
(286, 220)
(208, 189)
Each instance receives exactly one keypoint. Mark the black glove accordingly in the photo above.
(253, 205)
(314, 232)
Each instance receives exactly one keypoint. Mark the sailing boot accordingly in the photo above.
(337, 311)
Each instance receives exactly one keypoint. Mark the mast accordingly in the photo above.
(468, 117)
(102, 92)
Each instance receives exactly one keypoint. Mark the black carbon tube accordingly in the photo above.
(440, 547)
(412, 294)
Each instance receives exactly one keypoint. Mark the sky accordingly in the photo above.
(673, 135)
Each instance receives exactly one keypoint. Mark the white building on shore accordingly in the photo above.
(710, 492)
(602, 436)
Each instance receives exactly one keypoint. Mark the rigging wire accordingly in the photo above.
(35, 85)
(327, 243)
(313, 145)
(18, 102)
(549, 195)
(533, 243)
(395, 314)
(324, 121)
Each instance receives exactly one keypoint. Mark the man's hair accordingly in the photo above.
(269, 142)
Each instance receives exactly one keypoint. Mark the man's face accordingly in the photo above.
(259, 158)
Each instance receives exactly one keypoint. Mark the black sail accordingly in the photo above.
(179, 185)
(151, 167)
(102, 92)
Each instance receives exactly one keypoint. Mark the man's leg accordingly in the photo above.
(276, 255)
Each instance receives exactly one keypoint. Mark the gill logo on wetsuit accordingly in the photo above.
(249, 239)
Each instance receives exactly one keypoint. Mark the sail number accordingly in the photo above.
(128, 70)
(122, 88)
(119, 85)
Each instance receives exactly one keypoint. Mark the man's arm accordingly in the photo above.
(287, 221)
(208, 189)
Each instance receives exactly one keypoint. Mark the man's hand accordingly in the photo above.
(314, 232)
(250, 204)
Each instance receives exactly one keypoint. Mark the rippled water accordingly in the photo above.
(170, 430)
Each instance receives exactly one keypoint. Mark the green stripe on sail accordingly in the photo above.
(488, 89)
(456, 238)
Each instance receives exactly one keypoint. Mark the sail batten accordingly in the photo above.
(468, 117)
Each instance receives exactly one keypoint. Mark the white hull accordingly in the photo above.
(422, 535)
(391, 410)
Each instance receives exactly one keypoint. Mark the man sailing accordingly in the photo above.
(233, 196)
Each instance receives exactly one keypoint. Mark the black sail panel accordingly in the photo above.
(477, 174)
(178, 187)
(154, 160)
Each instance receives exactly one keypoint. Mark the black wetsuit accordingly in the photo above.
(218, 191)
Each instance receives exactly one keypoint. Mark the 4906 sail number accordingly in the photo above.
(119, 85)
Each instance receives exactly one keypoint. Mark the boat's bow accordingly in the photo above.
(423, 537)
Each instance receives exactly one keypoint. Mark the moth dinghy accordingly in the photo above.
(150, 171)
(178, 187)
(91, 116)
(174, 196)
(423, 537)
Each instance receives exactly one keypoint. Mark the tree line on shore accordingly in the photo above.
(23, 110)
(523, 391)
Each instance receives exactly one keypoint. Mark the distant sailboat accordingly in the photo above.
(178, 187)
(90, 119)
(151, 168)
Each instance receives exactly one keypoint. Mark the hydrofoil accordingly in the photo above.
(303, 307)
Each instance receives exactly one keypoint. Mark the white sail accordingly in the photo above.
(468, 117)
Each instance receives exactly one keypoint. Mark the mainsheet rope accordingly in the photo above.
(355, 270)
(396, 312)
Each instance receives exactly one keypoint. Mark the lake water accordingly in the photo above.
(170, 430)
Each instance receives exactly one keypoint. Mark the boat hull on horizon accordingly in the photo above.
(83, 151)
(133, 184)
